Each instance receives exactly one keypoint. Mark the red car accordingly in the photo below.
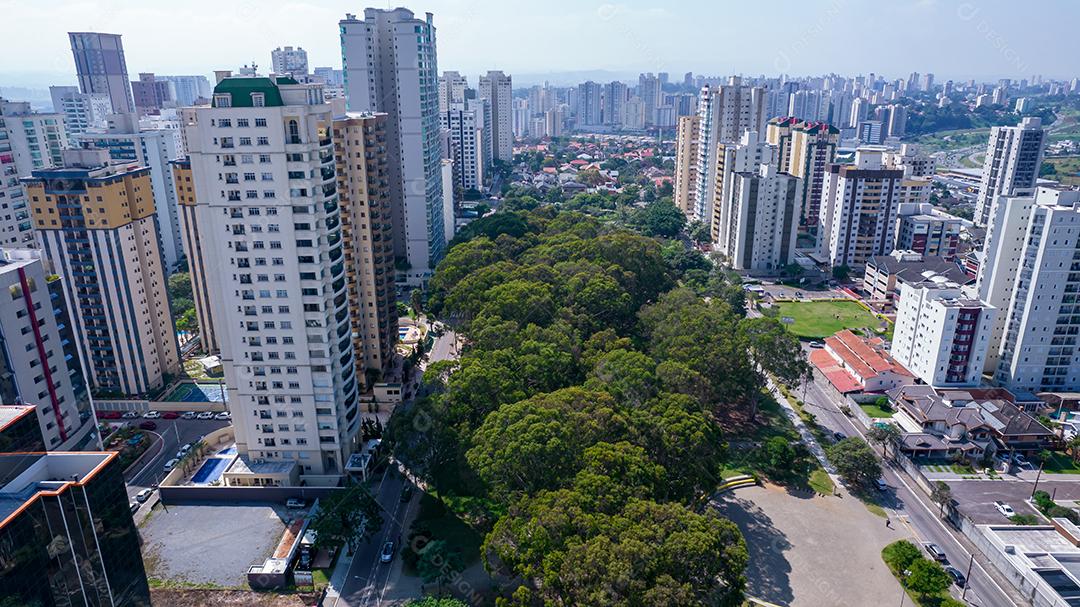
(170, 415)
(148, 425)
(109, 414)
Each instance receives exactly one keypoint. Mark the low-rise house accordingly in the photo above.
(951, 423)
(858, 364)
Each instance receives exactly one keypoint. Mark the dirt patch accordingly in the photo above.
(167, 597)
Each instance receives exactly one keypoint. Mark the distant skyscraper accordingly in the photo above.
(522, 115)
(1014, 155)
(151, 94)
(465, 138)
(82, 111)
(28, 141)
(381, 53)
(897, 120)
(497, 88)
(650, 91)
(189, 89)
(589, 104)
(452, 86)
(615, 95)
(101, 68)
(97, 226)
(289, 60)
(805, 151)
(332, 77)
(686, 159)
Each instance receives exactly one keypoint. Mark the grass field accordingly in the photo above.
(951, 140)
(818, 319)
(1060, 463)
(875, 411)
(1066, 169)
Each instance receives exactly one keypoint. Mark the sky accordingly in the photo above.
(957, 39)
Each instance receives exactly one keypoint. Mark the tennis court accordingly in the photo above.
(197, 393)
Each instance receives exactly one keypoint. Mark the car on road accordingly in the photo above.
(130, 414)
(205, 415)
(881, 484)
(839, 436)
(169, 465)
(935, 552)
(186, 449)
(143, 495)
(816, 345)
(295, 502)
(148, 425)
(387, 553)
(170, 415)
(188, 415)
(152, 415)
(958, 578)
(1005, 509)
(109, 414)
(406, 494)
(134, 507)
(223, 416)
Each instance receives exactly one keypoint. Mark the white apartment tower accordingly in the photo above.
(390, 66)
(1013, 157)
(763, 220)
(466, 147)
(746, 156)
(276, 276)
(725, 112)
(942, 334)
(615, 95)
(452, 87)
(686, 159)
(28, 141)
(497, 88)
(82, 111)
(289, 61)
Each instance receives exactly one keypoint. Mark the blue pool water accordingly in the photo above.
(210, 471)
(228, 451)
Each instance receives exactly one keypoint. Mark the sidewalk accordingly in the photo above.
(804, 431)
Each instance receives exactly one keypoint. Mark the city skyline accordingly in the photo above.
(619, 38)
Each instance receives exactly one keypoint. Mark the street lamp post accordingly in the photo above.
(1037, 477)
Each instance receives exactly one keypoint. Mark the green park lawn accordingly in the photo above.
(873, 410)
(818, 319)
(1059, 463)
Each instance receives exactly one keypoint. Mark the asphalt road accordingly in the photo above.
(169, 436)
(912, 506)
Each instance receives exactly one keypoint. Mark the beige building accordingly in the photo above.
(360, 153)
(95, 220)
(686, 164)
(805, 151)
(196, 252)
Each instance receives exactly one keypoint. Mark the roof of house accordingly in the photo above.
(843, 381)
(914, 271)
(953, 407)
(865, 357)
(241, 88)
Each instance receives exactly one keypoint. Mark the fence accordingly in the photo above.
(189, 495)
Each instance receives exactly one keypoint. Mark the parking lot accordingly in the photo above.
(209, 544)
(812, 550)
(977, 497)
(169, 435)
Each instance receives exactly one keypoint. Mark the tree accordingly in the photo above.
(884, 435)
(927, 578)
(660, 218)
(180, 286)
(187, 321)
(430, 601)
(699, 232)
(347, 517)
(841, 272)
(416, 301)
(1073, 445)
(900, 555)
(438, 563)
(941, 494)
(854, 461)
(779, 455)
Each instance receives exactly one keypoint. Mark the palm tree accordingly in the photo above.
(1073, 445)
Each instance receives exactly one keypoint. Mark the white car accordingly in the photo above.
(224, 415)
(185, 449)
(169, 465)
(205, 415)
(152, 415)
(143, 495)
(1005, 509)
(189, 415)
(130, 414)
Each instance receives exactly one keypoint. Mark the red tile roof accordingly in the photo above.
(843, 381)
(865, 358)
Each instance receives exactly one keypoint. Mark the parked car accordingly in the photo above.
(224, 416)
(1005, 509)
(295, 502)
(387, 553)
(881, 484)
(143, 495)
(205, 415)
(134, 507)
(839, 436)
(109, 414)
(130, 414)
(816, 345)
(186, 449)
(958, 578)
(935, 552)
(152, 415)
(169, 465)
(188, 415)
(148, 425)
(170, 415)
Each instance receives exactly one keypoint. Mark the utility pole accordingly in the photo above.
(1037, 477)
(967, 581)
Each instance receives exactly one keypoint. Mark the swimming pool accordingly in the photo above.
(211, 470)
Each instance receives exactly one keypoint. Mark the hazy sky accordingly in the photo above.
(953, 38)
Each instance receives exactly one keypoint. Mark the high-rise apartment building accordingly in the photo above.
(942, 334)
(28, 141)
(497, 88)
(650, 91)
(914, 162)
(82, 111)
(805, 151)
(152, 149)
(151, 94)
(763, 220)
(35, 366)
(1013, 157)
(615, 95)
(189, 89)
(634, 114)
(743, 157)
(289, 61)
(275, 275)
(452, 87)
(686, 162)
(897, 123)
(858, 221)
(466, 148)
(199, 256)
(725, 112)
(923, 229)
(102, 68)
(96, 222)
(367, 239)
(390, 66)
(589, 105)
(521, 119)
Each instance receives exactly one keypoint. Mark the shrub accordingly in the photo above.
(1056, 511)
(1024, 519)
